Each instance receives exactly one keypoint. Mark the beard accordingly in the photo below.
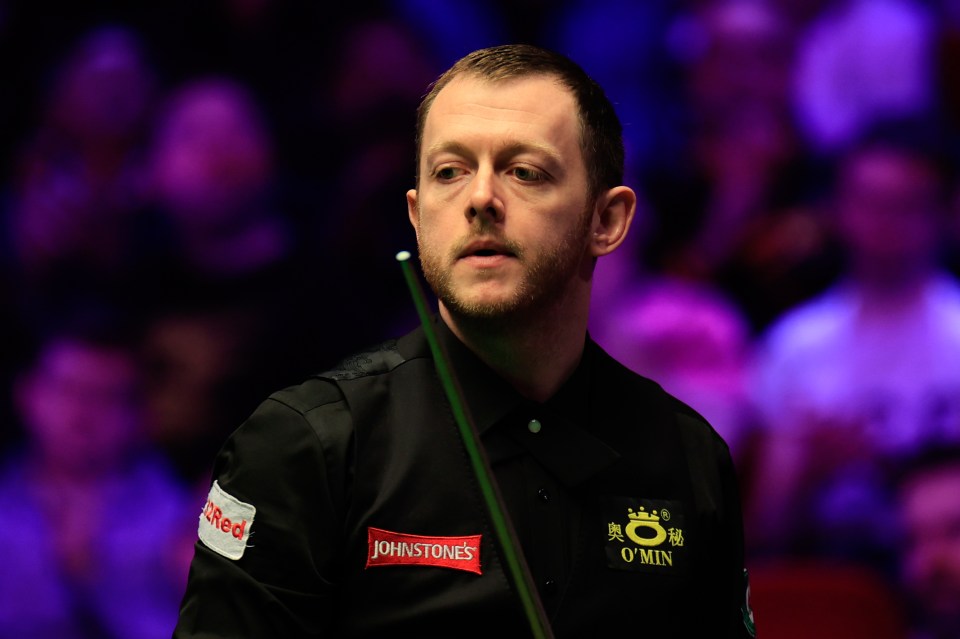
(545, 279)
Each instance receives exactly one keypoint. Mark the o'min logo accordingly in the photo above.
(644, 534)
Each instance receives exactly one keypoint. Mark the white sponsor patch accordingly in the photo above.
(225, 523)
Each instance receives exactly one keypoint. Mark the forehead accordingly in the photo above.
(887, 166)
(537, 107)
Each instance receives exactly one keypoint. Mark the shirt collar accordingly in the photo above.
(564, 445)
(489, 397)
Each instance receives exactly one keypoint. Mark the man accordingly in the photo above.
(929, 514)
(95, 535)
(346, 506)
(869, 371)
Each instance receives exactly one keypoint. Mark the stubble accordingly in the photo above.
(545, 279)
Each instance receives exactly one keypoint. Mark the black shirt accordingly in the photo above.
(624, 500)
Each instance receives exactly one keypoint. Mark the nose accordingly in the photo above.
(485, 204)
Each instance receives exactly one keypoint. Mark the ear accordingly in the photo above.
(412, 212)
(612, 219)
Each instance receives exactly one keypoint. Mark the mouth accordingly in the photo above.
(487, 253)
(486, 249)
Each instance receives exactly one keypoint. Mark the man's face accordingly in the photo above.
(501, 212)
(81, 405)
(889, 213)
(212, 157)
(931, 560)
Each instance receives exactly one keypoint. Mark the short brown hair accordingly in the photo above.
(601, 138)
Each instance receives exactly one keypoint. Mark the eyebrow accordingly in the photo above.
(512, 149)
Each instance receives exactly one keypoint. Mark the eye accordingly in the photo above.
(526, 174)
(446, 173)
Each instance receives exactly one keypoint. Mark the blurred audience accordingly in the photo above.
(97, 532)
(929, 516)
(203, 372)
(233, 308)
(860, 61)
(280, 51)
(211, 175)
(870, 370)
(732, 205)
(75, 221)
(625, 46)
(364, 222)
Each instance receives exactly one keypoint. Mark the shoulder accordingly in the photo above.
(650, 397)
(616, 378)
(811, 324)
(310, 418)
(304, 398)
(379, 359)
(317, 411)
(698, 434)
(296, 442)
(323, 389)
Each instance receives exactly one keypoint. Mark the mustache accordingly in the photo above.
(499, 239)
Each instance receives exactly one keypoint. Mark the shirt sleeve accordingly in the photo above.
(726, 601)
(739, 615)
(266, 561)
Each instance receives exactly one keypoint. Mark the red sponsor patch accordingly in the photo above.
(385, 548)
(225, 523)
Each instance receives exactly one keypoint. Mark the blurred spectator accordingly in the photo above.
(232, 237)
(212, 171)
(868, 371)
(624, 46)
(732, 207)
(929, 514)
(695, 343)
(71, 222)
(96, 533)
(469, 25)
(281, 51)
(76, 223)
(206, 364)
(952, 235)
(948, 69)
(861, 61)
(234, 309)
(947, 60)
(372, 98)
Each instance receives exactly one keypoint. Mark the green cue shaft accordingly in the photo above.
(526, 590)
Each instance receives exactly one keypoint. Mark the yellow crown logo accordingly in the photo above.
(648, 521)
(642, 515)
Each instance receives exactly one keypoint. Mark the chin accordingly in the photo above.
(486, 309)
(513, 308)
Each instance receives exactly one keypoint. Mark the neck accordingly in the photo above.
(884, 287)
(535, 355)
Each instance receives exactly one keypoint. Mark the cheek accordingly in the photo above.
(47, 412)
(434, 230)
(428, 247)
